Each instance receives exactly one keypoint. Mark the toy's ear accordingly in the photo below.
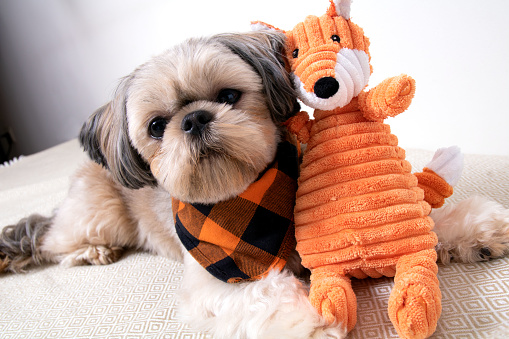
(340, 8)
(262, 26)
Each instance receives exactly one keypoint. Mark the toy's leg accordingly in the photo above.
(332, 295)
(415, 301)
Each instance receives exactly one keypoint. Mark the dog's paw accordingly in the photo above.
(93, 255)
(476, 229)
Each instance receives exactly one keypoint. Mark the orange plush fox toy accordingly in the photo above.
(359, 210)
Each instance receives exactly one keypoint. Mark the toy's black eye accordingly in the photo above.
(335, 38)
(156, 127)
(228, 96)
(295, 53)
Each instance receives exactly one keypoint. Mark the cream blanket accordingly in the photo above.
(137, 296)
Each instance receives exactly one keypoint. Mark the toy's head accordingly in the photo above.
(329, 57)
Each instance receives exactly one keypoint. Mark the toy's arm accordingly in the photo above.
(388, 99)
(300, 125)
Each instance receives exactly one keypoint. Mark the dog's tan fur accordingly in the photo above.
(101, 215)
(123, 199)
(240, 142)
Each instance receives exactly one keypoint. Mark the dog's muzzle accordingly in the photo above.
(195, 122)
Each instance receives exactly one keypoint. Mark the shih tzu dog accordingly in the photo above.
(192, 146)
(198, 124)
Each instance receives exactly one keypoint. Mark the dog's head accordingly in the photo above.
(201, 120)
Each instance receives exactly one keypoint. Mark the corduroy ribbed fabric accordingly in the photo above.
(359, 212)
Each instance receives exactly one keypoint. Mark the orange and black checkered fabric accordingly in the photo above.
(245, 237)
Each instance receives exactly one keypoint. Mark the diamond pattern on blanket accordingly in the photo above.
(137, 296)
(133, 298)
(475, 302)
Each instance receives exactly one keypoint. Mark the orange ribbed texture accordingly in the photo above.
(317, 56)
(360, 212)
(372, 196)
(435, 188)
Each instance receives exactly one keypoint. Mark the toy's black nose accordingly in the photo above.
(326, 87)
(195, 122)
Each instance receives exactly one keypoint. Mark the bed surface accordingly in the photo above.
(137, 297)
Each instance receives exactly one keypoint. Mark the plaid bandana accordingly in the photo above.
(245, 237)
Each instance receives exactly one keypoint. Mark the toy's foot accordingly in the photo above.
(332, 296)
(415, 301)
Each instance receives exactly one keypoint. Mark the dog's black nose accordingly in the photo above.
(194, 123)
(326, 87)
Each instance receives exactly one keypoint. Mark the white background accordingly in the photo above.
(61, 59)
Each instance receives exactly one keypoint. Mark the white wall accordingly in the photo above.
(61, 59)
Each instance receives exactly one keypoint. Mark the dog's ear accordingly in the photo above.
(105, 137)
(90, 135)
(264, 51)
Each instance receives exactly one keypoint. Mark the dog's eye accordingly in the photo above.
(295, 53)
(228, 96)
(335, 38)
(156, 127)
